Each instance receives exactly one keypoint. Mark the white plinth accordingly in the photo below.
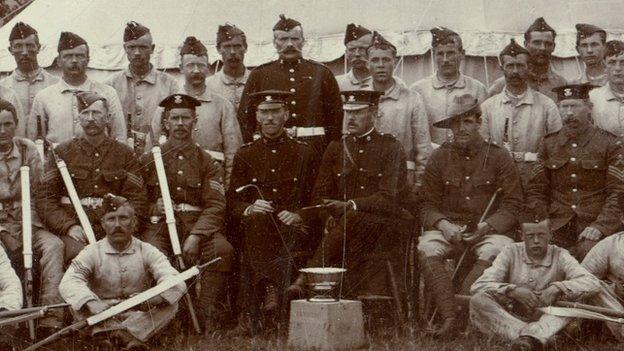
(326, 325)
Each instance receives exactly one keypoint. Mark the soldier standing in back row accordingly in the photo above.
(315, 106)
(141, 87)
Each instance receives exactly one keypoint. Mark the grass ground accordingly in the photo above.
(471, 342)
(177, 339)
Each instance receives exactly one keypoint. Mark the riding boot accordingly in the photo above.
(438, 283)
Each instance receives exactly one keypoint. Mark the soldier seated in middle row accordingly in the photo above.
(360, 181)
(196, 188)
(578, 178)
(460, 180)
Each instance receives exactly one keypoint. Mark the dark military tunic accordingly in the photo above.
(371, 171)
(316, 101)
(194, 179)
(110, 167)
(284, 170)
(578, 183)
(459, 183)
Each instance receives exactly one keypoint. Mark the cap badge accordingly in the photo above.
(178, 99)
(567, 92)
(351, 98)
(268, 98)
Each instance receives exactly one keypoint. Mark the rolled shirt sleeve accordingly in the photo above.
(74, 287)
(161, 269)
(10, 286)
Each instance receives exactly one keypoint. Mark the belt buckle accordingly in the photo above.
(518, 156)
(94, 203)
(292, 132)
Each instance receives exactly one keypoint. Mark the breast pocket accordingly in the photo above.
(593, 174)
(79, 174)
(113, 180)
(194, 183)
(451, 185)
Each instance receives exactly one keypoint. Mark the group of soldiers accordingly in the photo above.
(286, 166)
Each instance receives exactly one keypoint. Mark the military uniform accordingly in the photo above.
(47, 247)
(110, 167)
(315, 104)
(140, 95)
(195, 183)
(11, 299)
(458, 183)
(284, 170)
(369, 170)
(578, 183)
(101, 272)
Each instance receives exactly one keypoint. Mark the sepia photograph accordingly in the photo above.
(314, 175)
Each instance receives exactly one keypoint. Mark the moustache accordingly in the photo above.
(290, 49)
(119, 230)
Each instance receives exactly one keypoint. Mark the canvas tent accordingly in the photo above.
(485, 26)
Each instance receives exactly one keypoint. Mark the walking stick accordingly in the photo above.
(464, 254)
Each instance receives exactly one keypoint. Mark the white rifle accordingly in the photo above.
(124, 305)
(27, 243)
(171, 225)
(75, 200)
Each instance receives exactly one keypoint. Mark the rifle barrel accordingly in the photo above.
(59, 334)
(6, 314)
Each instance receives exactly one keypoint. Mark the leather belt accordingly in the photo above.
(301, 132)
(186, 208)
(219, 156)
(91, 202)
(524, 156)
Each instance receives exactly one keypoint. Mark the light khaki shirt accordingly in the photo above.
(10, 286)
(607, 110)
(100, 272)
(229, 87)
(58, 108)
(140, 97)
(438, 98)
(526, 122)
(402, 113)
(513, 268)
(26, 88)
(349, 82)
(606, 259)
